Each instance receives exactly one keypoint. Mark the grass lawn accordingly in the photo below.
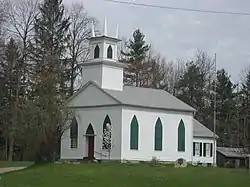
(121, 175)
(5, 164)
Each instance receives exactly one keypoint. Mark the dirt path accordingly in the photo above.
(5, 170)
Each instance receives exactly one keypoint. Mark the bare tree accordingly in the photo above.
(22, 14)
(79, 31)
(2, 20)
(156, 71)
(206, 64)
(3, 17)
(173, 73)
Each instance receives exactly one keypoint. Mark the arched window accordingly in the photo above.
(90, 130)
(134, 134)
(158, 135)
(74, 133)
(97, 52)
(107, 131)
(110, 52)
(181, 136)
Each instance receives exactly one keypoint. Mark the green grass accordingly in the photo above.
(5, 164)
(122, 175)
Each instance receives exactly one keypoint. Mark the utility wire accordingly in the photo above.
(178, 8)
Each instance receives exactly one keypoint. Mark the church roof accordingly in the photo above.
(103, 37)
(149, 98)
(201, 131)
(142, 97)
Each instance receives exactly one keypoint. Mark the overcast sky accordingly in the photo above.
(178, 34)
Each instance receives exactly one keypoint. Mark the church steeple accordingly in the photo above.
(104, 46)
(103, 66)
(105, 31)
(117, 31)
(93, 29)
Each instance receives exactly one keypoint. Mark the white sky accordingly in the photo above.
(178, 34)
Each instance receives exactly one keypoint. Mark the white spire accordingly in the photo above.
(117, 31)
(105, 32)
(93, 29)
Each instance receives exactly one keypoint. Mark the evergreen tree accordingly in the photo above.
(226, 109)
(136, 70)
(191, 88)
(51, 36)
(50, 78)
(195, 87)
(245, 112)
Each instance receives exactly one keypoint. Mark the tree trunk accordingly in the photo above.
(1, 88)
(249, 163)
(137, 79)
(6, 148)
(10, 150)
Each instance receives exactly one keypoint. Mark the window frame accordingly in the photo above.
(73, 143)
(181, 146)
(96, 52)
(207, 149)
(134, 141)
(74, 131)
(110, 52)
(197, 151)
(158, 135)
(106, 122)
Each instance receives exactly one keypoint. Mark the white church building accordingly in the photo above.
(145, 122)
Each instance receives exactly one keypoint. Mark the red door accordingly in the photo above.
(91, 147)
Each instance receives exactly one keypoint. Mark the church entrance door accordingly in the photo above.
(90, 135)
(91, 142)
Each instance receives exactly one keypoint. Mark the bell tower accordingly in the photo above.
(103, 66)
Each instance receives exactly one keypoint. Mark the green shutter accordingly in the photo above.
(181, 136)
(193, 148)
(211, 151)
(204, 149)
(134, 133)
(158, 135)
(200, 149)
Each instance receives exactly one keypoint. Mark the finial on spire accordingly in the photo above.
(105, 32)
(117, 31)
(93, 29)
